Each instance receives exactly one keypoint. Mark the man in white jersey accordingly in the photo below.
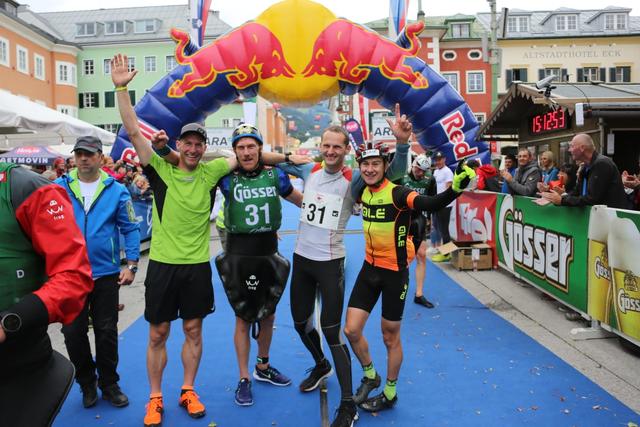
(444, 178)
(330, 191)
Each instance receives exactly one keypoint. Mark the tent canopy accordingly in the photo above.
(31, 155)
(23, 122)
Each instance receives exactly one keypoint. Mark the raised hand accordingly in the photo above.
(120, 74)
(462, 177)
(401, 127)
(159, 140)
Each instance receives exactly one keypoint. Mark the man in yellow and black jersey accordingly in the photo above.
(386, 217)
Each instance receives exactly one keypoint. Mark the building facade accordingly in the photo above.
(574, 45)
(141, 33)
(35, 64)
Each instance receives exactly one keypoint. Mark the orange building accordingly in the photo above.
(35, 64)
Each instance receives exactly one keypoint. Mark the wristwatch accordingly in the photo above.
(132, 268)
(10, 322)
(286, 157)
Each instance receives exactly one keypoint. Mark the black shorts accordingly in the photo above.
(177, 290)
(373, 281)
(418, 230)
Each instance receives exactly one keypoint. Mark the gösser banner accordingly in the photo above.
(585, 257)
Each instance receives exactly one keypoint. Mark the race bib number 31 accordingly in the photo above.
(321, 209)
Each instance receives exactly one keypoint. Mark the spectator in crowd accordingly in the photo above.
(103, 210)
(50, 174)
(140, 188)
(599, 182)
(566, 182)
(525, 181)
(510, 163)
(109, 167)
(487, 176)
(70, 163)
(548, 168)
(444, 178)
(59, 167)
(39, 236)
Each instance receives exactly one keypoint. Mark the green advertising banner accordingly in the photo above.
(545, 245)
(613, 293)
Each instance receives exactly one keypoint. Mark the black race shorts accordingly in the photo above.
(177, 290)
(373, 281)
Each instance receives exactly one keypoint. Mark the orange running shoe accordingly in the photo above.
(191, 402)
(155, 408)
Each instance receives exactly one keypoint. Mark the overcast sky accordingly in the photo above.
(235, 12)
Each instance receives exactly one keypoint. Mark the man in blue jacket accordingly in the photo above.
(103, 209)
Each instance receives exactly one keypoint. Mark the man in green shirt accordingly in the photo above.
(178, 282)
(421, 181)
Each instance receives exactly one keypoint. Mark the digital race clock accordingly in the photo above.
(549, 122)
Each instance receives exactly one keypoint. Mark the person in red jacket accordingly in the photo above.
(487, 176)
(45, 277)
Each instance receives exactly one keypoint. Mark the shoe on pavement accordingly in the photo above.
(440, 258)
(190, 401)
(244, 397)
(155, 408)
(115, 396)
(346, 414)
(316, 374)
(573, 316)
(367, 385)
(421, 300)
(89, 394)
(379, 403)
(271, 375)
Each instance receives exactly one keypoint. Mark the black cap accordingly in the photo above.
(193, 128)
(438, 155)
(88, 143)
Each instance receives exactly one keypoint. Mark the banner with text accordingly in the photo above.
(476, 218)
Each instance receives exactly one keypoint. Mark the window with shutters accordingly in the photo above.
(88, 68)
(89, 100)
(590, 74)
(131, 63)
(620, 74)
(516, 74)
(552, 72)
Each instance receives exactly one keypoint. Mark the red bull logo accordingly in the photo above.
(349, 51)
(452, 126)
(248, 59)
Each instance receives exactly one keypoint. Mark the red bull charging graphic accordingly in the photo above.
(297, 53)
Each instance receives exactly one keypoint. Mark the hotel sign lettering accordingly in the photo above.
(563, 54)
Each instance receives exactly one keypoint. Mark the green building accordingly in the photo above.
(141, 33)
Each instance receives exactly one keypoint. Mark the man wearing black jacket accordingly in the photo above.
(599, 182)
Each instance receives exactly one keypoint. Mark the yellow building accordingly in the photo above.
(574, 45)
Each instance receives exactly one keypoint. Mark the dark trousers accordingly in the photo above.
(442, 217)
(102, 306)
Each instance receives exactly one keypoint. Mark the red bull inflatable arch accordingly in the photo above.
(298, 53)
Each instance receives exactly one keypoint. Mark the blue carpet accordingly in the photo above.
(463, 366)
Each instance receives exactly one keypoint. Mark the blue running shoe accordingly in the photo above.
(244, 397)
(271, 375)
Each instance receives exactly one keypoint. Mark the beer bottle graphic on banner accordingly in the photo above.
(599, 289)
(624, 246)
